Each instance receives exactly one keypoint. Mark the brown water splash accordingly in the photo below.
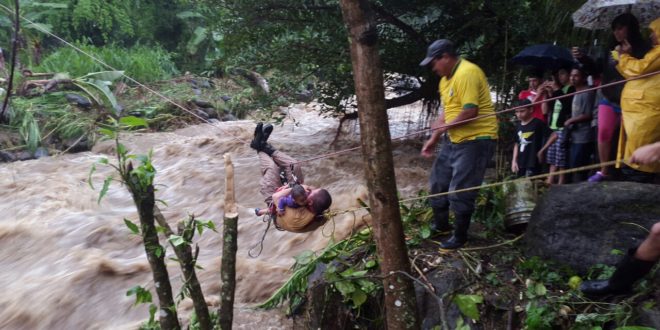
(66, 261)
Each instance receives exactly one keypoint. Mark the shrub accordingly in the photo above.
(144, 64)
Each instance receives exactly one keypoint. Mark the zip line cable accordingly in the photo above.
(327, 155)
(488, 185)
(38, 27)
(446, 125)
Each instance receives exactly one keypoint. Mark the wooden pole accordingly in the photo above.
(400, 303)
(229, 247)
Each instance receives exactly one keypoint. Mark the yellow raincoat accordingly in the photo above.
(640, 104)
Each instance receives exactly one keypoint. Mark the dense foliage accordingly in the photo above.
(300, 46)
(308, 40)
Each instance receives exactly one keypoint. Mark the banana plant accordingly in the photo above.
(97, 86)
(34, 27)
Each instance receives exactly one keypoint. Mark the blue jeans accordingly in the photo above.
(458, 166)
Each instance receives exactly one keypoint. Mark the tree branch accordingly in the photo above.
(407, 29)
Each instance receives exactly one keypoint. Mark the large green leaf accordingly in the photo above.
(51, 5)
(198, 37)
(468, 305)
(133, 121)
(100, 86)
(39, 27)
(104, 75)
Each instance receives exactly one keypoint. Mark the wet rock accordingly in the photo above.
(24, 155)
(197, 91)
(211, 112)
(7, 156)
(202, 103)
(202, 114)
(41, 152)
(444, 280)
(200, 83)
(228, 117)
(225, 98)
(72, 145)
(579, 224)
(305, 96)
(78, 100)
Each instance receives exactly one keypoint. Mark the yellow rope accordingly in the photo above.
(489, 185)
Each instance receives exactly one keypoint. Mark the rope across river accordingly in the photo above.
(332, 214)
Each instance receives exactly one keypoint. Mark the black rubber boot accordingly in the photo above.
(257, 143)
(268, 149)
(461, 226)
(628, 271)
(440, 221)
(268, 128)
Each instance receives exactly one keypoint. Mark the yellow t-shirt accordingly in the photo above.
(468, 87)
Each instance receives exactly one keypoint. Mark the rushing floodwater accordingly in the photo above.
(66, 261)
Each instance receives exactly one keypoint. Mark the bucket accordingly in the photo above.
(519, 202)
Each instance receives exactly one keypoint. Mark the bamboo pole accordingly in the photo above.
(229, 247)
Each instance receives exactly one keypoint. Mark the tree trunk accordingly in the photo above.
(14, 51)
(400, 304)
(145, 201)
(229, 246)
(187, 261)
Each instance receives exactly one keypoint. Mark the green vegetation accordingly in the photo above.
(142, 63)
(495, 276)
(137, 173)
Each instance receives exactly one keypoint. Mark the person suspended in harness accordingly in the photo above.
(293, 206)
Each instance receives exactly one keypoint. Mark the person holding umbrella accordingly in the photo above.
(535, 93)
(624, 27)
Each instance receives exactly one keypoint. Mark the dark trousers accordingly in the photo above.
(580, 155)
(458, 166)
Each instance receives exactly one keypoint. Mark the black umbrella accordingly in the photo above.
(545, 56)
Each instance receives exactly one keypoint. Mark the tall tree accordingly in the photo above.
(301, 40)
(400, 304)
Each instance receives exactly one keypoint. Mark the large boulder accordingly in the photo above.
(444, 280)
(579, 224)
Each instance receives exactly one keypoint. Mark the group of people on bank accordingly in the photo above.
(557, 133)
(588, 124)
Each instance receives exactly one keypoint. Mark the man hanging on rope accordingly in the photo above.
(273, 163)
(468, 146)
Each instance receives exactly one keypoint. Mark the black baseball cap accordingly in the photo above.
(437, 48)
